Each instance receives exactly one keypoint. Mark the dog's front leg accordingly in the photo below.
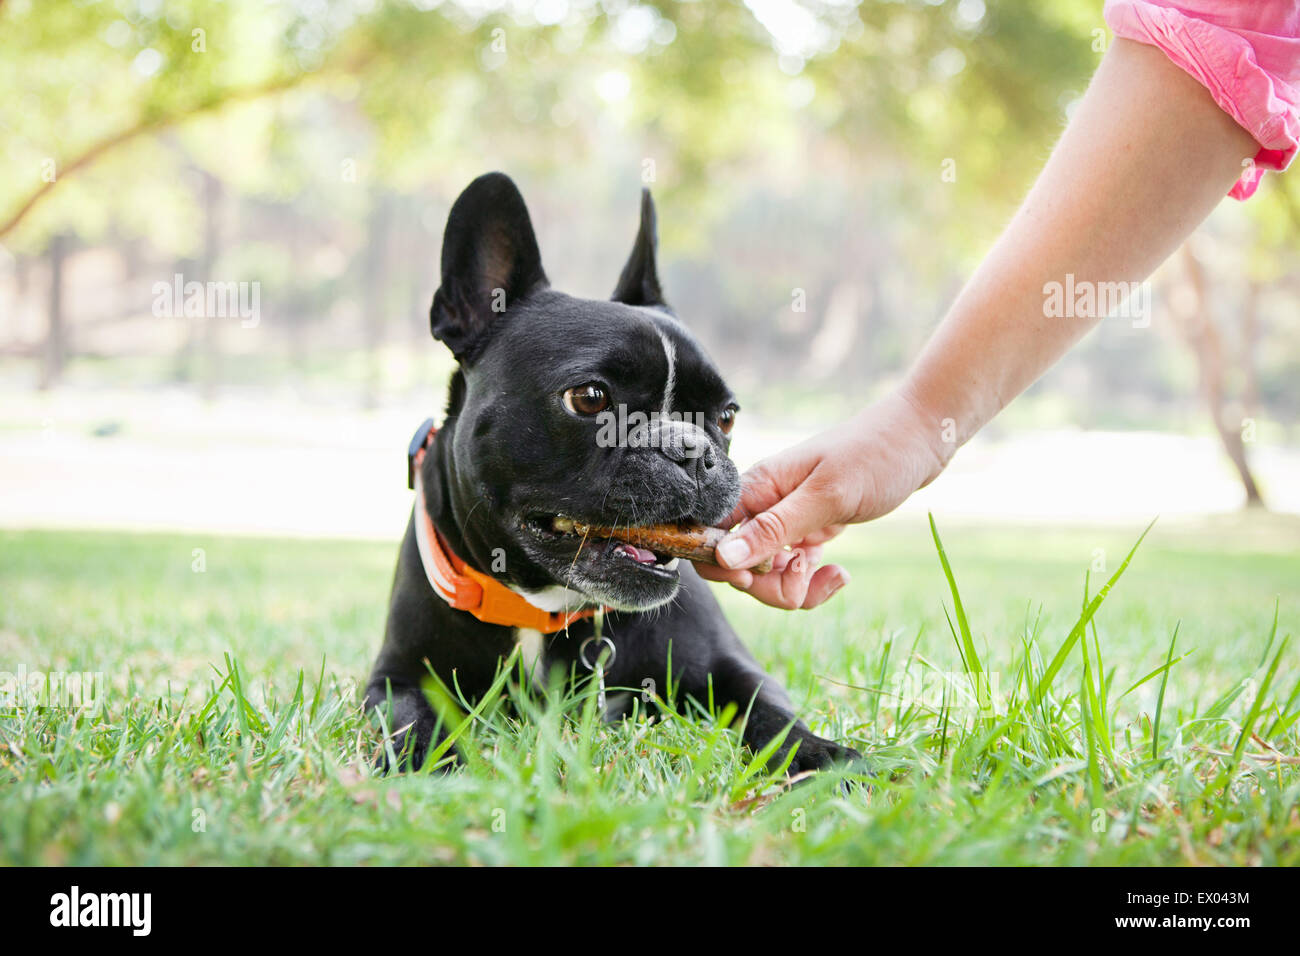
(411, 722)
(741, 681)
(410, 641)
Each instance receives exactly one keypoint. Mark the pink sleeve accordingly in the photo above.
(1245, 52)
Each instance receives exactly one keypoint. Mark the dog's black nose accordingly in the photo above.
(690, 448)
(708, 460)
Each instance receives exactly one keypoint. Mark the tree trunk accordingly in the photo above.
(210, 358)
(374, 288)
(22, 275)
(55, 352)
(833, 342)
(1249, 342)
(199, 357)
(183, 364)
(296, 304)
(1202, 335)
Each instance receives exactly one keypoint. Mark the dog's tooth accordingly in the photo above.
(671, 565)
(562, 524)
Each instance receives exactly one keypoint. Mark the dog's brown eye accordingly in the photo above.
(727, 420)
(589, 399)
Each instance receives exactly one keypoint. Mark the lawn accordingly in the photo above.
(226, 725)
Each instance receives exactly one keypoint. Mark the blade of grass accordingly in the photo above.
(1160, 698)
(1257, 704)
(969, 658)
(1081, 625)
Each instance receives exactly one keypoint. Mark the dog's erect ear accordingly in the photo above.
(639, 283)
(489, 262)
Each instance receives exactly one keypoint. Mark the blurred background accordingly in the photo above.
(826, 173)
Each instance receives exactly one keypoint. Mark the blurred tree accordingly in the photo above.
(815, 145)
(56, 336)
(1199, 328)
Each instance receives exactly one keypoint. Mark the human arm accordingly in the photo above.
(1144, 159)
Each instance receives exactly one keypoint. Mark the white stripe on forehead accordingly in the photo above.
(670, 351)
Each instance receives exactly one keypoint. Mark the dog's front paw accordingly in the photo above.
(412, 755)
(418, 732)
(817, 753)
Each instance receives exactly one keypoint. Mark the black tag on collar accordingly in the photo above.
(418, 441)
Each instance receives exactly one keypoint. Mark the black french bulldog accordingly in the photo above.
(540, 372)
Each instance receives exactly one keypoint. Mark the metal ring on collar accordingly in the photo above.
(582, 652)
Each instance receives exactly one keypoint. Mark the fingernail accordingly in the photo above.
(733, 551)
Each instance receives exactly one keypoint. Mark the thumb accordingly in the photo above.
(789, 521)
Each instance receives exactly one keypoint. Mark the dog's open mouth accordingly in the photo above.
(627, 543)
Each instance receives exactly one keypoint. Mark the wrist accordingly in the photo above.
(936, 432)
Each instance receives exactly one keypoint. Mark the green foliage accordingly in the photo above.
(430, 92)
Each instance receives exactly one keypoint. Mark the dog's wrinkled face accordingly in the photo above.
(605, 412)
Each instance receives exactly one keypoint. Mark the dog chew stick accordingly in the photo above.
(692, 542)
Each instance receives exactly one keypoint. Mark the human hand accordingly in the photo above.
(804, 496)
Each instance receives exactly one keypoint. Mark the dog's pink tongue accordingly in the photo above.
(640, 555)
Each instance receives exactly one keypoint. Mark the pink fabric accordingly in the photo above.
(1245, 52)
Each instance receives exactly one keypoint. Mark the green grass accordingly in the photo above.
(230, 730)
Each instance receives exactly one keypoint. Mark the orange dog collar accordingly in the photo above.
(463, 587)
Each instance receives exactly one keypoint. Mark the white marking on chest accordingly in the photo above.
(531, 646)
(670, 351)
(554, 599)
